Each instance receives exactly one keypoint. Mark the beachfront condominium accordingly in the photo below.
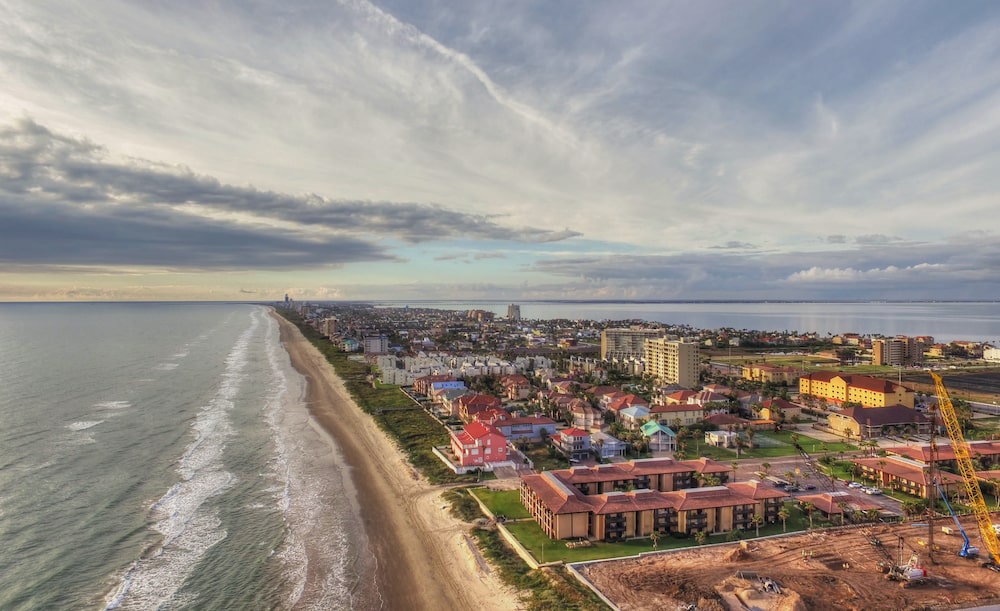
(513, 312)
(672, 361)
(625, 344)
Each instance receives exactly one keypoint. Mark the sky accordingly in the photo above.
(508, 150)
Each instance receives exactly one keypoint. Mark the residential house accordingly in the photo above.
(584, 416)
(572, 442)
(478, 444)
(422, 385)
(516, 387)
(677, 415)
(526, 427)
(606, 446)
(470, 405)
(679, 397)
(661, 438)
(778, 409)
(633, 417)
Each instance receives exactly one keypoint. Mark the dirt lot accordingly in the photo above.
(829, 570)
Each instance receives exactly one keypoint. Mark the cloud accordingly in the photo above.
(64, 199)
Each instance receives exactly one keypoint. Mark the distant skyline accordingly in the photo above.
(408, 150)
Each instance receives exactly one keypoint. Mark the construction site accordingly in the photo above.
(889, 567)
(928, 564)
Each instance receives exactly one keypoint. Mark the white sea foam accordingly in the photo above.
(113, 405)
(189, 528)
(311, 497)
(83, 425)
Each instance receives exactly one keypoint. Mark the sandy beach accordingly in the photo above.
(425, 558)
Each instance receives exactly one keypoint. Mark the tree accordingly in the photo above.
(654, 537)
(765, 467)
(700, 537)
(809, 508)
(843, 510)
(783, 515)
(734, 465)
(750, 433)
(757, 520)
(996, 489)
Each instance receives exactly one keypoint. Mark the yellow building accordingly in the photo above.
(763, 372)
(838, 388)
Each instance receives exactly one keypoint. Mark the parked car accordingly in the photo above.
(810, 486)
(855, 485)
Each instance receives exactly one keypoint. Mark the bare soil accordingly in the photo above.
(834, 569)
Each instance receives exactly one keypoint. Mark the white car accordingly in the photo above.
(855, 485)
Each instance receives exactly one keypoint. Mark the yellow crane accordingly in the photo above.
(963, 456)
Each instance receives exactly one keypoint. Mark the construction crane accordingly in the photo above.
(968, 550)
(829, 481)
(963, 456)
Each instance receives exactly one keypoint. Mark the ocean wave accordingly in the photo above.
(188, 525)
(83, 425)
(113, 405)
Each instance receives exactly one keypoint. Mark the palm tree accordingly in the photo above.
(996, 489)
(765, 467)
(783, 515)
(734, 465)
(757, 520)
(654, 537)
(843, 510)
(700, 537)
(750, 433)
(809, 508)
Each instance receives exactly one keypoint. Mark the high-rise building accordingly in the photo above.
(513, 312)
(623, 344)
(897, 351)
(672, 361)
(376, 344)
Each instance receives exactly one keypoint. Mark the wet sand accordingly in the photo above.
(424, 560)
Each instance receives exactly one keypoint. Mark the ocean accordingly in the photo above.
(160, 456)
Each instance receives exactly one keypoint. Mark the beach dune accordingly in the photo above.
(423, 556)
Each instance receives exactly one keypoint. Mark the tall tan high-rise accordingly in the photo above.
(672, 361)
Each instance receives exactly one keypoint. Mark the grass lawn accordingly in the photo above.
(502, 502)
(809, 444)
(531, 536)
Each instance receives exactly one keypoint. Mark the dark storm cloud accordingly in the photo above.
(41, 233)
(60, 197)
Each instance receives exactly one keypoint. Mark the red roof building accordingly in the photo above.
(478, 444)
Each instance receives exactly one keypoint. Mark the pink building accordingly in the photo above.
(478, 444)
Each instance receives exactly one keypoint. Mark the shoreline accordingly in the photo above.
(422, 558)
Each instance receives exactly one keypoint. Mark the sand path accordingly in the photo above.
(425, 559)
